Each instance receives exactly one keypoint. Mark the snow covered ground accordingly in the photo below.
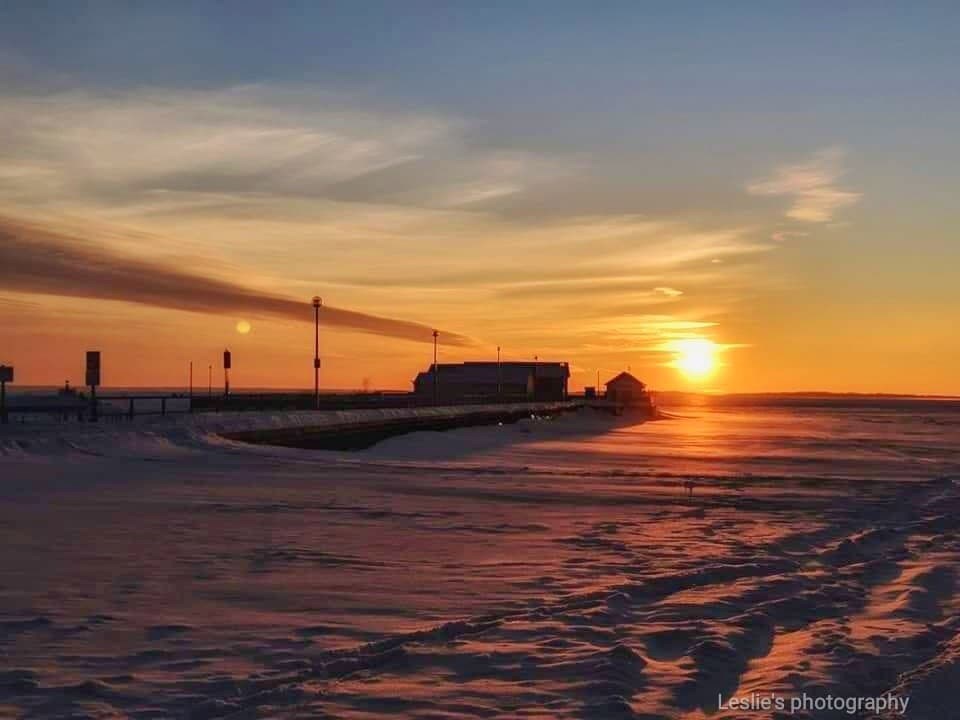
(552, 568)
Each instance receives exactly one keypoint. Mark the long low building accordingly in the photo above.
(486, 381)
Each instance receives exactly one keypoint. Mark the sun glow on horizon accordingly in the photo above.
(244, 327)
(695, 358)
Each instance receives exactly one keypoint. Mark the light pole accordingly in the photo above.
(6, 375)
(436, 371)
(209, 381)
(317, 303)
(499, 377)
(536, 359)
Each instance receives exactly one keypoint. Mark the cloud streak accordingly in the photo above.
(811, 185)
(120, 149)
(38, 260)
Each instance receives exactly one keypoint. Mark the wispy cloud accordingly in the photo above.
(195, 147)
(784, 235)
(46, 262)
(298, 190)
(811, 185)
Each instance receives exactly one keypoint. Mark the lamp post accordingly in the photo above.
(536, 359)
(499, 377)
(317, 303)
(436, 371)
(6, 375)
(209, 381)
(93, 380)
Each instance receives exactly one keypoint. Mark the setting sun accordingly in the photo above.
(243, 327)
(695, 357)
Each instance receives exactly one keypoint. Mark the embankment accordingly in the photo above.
(360, 429)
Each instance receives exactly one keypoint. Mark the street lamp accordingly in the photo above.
(536, 359)
(499, 376)
(317, 303)
(436, 371)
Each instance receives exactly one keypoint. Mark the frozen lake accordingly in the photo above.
(544, 569)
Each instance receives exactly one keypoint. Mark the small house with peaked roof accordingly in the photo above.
(627, 390)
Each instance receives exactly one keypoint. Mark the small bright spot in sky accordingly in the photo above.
(243, 327)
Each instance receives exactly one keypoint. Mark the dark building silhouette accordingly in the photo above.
(491, 381)
(627, 390)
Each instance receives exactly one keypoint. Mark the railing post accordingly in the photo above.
(130, 410)
(94, 410)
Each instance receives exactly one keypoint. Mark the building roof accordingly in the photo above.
(542, 369)
(450, 373)
(626, 378)
(493, 373)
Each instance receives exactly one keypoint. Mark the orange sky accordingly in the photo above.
(624, 308)
(806, 249)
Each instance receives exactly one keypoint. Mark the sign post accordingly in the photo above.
(226, 373)
(317, 304)
(93, 380)
(6, 375)
(436, 371)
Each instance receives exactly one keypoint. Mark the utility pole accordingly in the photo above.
(93, 380)
(317, 304)
(6, 375)
(499, 376)
(436, 371)
(536, 359)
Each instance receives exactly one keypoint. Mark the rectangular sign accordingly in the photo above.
(6, 373)
(93, 368)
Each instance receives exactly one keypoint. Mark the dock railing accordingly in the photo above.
(109, 408)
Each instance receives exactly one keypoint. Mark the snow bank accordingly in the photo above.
(184, 432)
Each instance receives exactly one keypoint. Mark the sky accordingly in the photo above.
(733, 197)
